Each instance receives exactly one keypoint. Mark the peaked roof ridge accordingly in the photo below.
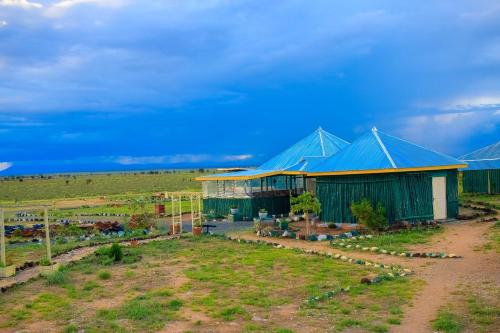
(318, 143)
(479, 150)
(383, 147)
(417, 145)
(332, 137)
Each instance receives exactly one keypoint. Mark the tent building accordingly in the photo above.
(483, 172)
(413, 183)
(269, 186)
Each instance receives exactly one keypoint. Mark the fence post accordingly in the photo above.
(3, 261)
(47, 234)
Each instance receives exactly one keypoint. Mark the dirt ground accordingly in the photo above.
(442, 277)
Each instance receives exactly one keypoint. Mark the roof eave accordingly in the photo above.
(262, 175)
(388, 170)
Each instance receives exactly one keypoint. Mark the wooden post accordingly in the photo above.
(199, 208)
(192, 211)
(180, 213)
(47, 234)
(3, 261)
(173, 211)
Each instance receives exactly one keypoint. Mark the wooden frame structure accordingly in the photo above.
(176, 199)
(45, 208)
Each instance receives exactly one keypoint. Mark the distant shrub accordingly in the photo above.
(115, 252)
(373, 219)
(57, 278)
(71, 328)
(109, 255)
(104, 275)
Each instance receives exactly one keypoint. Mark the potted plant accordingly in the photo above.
(262, 213)
(234, 210)
(7, 270)
(197, 228)
(306, 203)
(47, 267)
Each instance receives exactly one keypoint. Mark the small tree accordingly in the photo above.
(306, 203)
(373, 219)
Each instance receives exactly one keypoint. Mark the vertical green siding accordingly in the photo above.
(452, 193)
(406, 196)
(495, 181)
(248, 207)
(476, 181)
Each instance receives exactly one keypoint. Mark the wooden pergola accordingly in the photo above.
(176, 199)
(4, 209)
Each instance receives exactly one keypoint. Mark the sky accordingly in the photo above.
(88, 85)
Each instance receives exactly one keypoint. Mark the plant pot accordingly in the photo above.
(234, 211)
(7, 271)
(284, 225)
(197, 231)
(262, 215)
(47, 270)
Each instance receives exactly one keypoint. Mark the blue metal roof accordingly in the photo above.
(376, 150)
(307, 163)
(485, 158)
(320, 143)
(245, 174)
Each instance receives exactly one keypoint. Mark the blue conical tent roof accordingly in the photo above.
(485, 158)
(320, 143)
(377, 151)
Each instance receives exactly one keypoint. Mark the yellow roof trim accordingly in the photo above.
(335, 173)
(262, 175)
(391, 170)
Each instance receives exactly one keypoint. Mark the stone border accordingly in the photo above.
(354, 239)
(394, 270)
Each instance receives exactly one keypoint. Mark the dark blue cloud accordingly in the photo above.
(91, 84)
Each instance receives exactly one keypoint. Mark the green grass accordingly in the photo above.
(57, 278)
(104, 275)
(476, 315)
(87, 185)
(399, 242)
(448, 322)
(227, 282)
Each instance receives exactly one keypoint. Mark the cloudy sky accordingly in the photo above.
(121, 84)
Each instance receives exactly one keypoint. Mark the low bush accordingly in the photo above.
(104, 275)
(373, 218)
(57, 278)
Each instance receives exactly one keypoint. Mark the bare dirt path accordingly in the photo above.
(71, 256)
(445, 276)
(442, 276)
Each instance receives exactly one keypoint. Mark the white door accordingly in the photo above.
(439, 197)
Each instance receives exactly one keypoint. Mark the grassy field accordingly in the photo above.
(399, 242)
(475, 308)
(86, 185)
(199, 285)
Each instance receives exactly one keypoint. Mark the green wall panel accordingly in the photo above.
(248, 207)
(406, 196)
(476, 181)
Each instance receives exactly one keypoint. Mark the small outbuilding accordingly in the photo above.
(483, 172)
(269, 186)
(413, 183)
